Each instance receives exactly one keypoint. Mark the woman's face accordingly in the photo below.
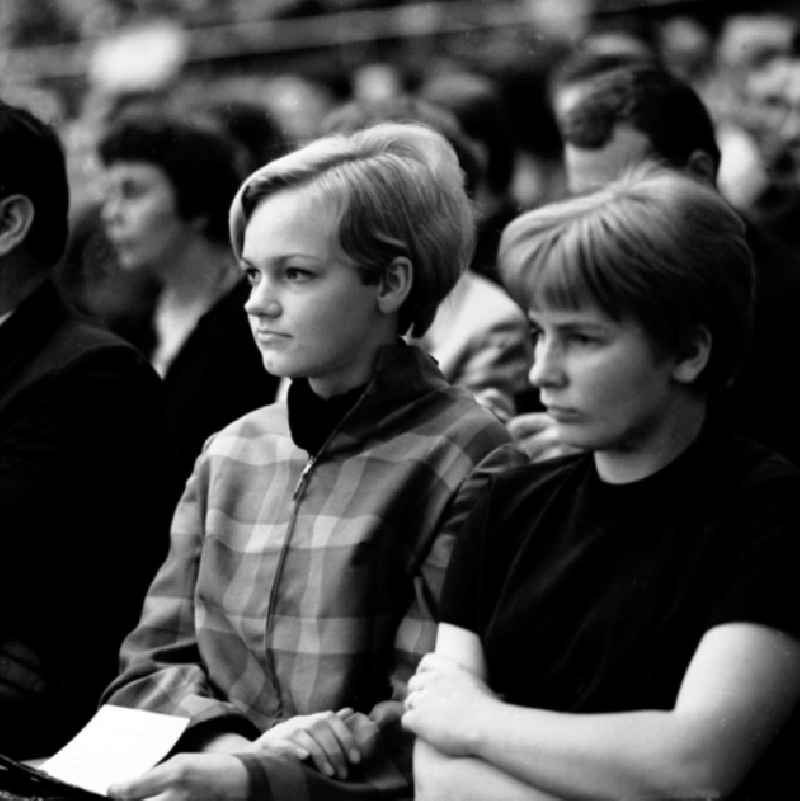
(602, 380)
(140, 216)
(311, 314)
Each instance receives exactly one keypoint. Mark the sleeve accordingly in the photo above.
(464, 583)
(762, 587)
(277, 778)
(162, 669)
(416, 635)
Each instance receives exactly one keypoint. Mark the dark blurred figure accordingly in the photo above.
(479, 336)
(81, 455)
(255, 132)
(168, 185)
(538, 168)
(477, 104)
(638, 113)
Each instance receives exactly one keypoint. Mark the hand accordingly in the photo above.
(445, 704)
(227, 743)
(20, 673)
(188, 777)
(331, 740)
(536, 433)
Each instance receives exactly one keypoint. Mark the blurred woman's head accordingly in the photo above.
(166, 180)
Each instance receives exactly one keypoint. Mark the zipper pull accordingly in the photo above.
(301, 482)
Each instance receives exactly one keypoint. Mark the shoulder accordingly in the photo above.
(537, 481)
(755, 469)
(78, 351)
(257, 437)
(454, 415)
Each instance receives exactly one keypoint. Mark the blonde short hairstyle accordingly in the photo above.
(398, 191)
(655, 246)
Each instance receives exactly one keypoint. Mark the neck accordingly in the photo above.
(640, 459)
(359, 371)
(17, 283)
(203, 271)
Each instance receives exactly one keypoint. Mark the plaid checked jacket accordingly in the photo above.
(295, 585)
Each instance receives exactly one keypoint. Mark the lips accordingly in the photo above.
(563, 414)
(269, 336)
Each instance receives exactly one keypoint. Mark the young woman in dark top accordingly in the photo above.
(623, 623)
(169, 183)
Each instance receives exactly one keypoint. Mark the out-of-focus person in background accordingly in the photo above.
(476, 102)
(84, 513)
(168, 183)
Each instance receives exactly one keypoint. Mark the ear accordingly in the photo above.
(694, 359)
(16, 217)
(701, 167)
(395, 284)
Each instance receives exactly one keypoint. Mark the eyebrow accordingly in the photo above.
(278, 261)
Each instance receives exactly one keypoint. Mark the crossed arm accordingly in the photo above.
(738, 690)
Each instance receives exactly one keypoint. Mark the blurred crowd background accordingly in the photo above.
(79, 63)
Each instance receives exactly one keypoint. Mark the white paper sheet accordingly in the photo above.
(115, 745)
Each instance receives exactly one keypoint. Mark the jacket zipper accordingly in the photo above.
(297, 497)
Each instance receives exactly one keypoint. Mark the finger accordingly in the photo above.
(343, 732)
(385, 712)
(336, 740)
(19, 678)
(287, 748)
(161, 778)
(409, 721)
(366, 732)
(22, 653)
(525, 425)
(317, 754)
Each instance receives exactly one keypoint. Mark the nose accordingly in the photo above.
(263, 301)
(110, 209)
(547, 370)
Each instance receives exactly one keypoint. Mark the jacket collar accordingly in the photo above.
(403, 374)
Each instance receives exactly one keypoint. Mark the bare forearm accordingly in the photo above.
(438, 777)
(636, 754)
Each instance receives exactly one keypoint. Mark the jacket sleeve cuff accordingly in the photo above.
(198, 734)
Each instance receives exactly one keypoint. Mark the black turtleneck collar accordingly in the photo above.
(312, 418)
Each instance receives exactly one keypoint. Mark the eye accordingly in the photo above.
(130, 190)
(298, 275)
(252, 275)
(583, 339)
(534, 330)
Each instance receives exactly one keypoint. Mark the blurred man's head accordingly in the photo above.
(34, 196)
(634, 113)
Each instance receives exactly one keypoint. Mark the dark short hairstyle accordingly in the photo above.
(254, 129)
(34, 166)
(199, 161)
(654, 246)
(649, 99)
(584, 64)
